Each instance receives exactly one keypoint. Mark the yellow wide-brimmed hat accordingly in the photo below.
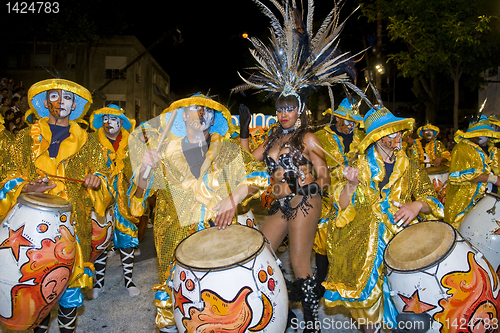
(222, 124)
(380, 122)
(114, 110)
(38, 93)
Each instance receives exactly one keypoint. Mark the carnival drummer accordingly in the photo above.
(340, 140)
(471, 169)
(113, 128)
(205, 176)
(382, 192)
(427, 150)
(57, 147)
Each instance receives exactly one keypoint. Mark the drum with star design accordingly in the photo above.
(228, 281)
(37, 252)
(432, 269)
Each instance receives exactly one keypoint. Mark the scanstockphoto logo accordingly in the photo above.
(331, 323)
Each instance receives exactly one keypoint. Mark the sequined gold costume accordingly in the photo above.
(431, 149)
(333, 143)
(186, 204)
(120, 173)
(358, 234)
(468, 161)
(80, 154)
(6, 140)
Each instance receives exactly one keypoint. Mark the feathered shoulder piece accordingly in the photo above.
(297, 60)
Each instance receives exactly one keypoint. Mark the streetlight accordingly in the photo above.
(380, 68)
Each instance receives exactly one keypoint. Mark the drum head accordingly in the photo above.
(419, 246)
(436, 169)
(40, 200)
(212, 248)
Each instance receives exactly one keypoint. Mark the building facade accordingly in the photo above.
(116, 70)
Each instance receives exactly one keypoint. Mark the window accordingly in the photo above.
(114, 65)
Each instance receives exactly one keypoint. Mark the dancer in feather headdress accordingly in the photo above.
(293, 65)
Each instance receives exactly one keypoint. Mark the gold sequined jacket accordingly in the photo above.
(186, 204)
(334, 144)
(119, 175)
(433, 149)
(357, 235)
(468, 161)
(79, 154)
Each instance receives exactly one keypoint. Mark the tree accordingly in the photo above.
(450, 37)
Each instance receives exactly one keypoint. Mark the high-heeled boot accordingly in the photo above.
(312, 292)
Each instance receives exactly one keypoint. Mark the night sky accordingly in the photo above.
(213, 49)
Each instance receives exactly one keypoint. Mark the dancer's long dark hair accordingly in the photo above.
(297, 138)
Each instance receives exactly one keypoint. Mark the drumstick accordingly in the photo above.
(72, 179)
(333, 158)
(163, 136)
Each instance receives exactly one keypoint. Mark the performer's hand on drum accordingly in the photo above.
(437, 161)
(226, 209)
(38, 185)
(92, 181)
(408, 211)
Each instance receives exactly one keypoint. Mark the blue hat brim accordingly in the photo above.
(97, 120)
(43, 112)
(178, 129)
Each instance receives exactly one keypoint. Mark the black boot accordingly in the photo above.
(100, 272)
(312, 291)
(66, 319)
(127, 256)
(321, 267)
(43, 327)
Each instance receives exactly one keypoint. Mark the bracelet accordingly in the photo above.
(492, 179)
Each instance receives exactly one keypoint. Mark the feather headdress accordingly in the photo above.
(297, 60)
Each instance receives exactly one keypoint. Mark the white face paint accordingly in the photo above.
(482, 140)
(60, 102)
(392, 141)
(199, 117)
(112, 124)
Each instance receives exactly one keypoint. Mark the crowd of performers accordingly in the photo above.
(342, 191)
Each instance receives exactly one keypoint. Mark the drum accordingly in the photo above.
(37, 252)
(248, 219)
(102, 231)
(228, 281)
(432, 269)
(481, 227)
(439, 179)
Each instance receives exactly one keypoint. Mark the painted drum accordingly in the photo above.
(432, 269)
(439, 179)
(248, 219)
(102, 231)
(481, 227)
(37, 252)
(228, 281)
